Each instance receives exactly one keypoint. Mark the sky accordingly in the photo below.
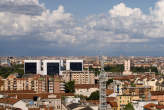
(81, 27)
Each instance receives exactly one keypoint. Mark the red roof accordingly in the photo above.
(150, 106)
(8, 100)
(113, 104)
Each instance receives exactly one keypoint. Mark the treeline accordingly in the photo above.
(144, 69)
(114, 68)
(6, 71)
(120, 68)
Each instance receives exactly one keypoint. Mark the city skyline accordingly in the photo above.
(81, 28)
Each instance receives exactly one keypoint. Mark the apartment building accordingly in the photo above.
(142, 92)
(127, 65)
(80, 77)
(37, 83)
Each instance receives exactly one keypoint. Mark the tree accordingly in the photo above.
(94, 96)
(144, 69)
(129, 106)
(114, 68)
(109, 81)
(70, 87)
(6, 71)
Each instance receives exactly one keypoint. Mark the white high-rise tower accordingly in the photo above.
(127, 68)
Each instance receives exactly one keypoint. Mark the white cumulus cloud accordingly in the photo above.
(119, 26)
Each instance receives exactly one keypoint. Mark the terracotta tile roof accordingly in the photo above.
(113, 104)
(160, 106)
(33, 108)
(149, 106)
(157, 92)
(109, 91)
(96, 102)
(11, 76)
(41, 95)
(111, 99)
(7, 107)
(8, 100)
(130, 77)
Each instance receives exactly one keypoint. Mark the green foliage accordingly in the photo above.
(129, 106)
(6, 71)
(144, 69)
(133, 85)
(114, 68)
(18, 66)
(63, 98)
(95, 70)
(120, 68)
(94, 96)
(70, 87)
(109, 81)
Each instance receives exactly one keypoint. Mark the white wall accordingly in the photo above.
(20, 104)
(85, 92)
(140, 104)
(70, 100)
(69, 61)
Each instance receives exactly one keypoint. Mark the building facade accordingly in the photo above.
(36, 83)
(80, 77)
(127, 68)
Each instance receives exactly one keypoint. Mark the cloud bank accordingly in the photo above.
(121, 30)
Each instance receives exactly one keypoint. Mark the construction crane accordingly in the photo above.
(102, 87)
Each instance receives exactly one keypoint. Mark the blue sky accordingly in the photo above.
(84, 8)
(81, 27)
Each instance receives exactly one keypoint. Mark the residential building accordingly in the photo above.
(142, 92)
(139, 105)
(80, 77)
(11, 103)
(37, 83)
(85, 89)
(127, 68)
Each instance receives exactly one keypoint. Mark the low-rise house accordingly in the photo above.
(51, 101)
(142, 92)
(123, 100)
(85, 89)
(139, 105)
(112, 103)
(117, 86)
(157, 95)
(69, 100)
(152, 106)
(13, 103)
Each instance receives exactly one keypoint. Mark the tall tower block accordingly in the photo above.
(127, 68)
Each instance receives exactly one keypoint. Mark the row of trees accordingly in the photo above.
(114, 68)
(144, 69)
(6, 71)
(120, 68)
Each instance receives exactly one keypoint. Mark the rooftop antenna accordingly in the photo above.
(102, 87)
